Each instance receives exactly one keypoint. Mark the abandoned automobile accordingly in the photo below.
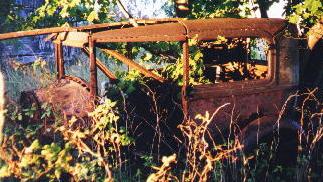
(255, 76)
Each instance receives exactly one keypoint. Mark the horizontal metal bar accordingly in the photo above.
(35, 32)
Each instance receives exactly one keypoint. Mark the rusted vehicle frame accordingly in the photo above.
(183, 30)
(176, 30)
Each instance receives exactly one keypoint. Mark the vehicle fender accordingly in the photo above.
(264, 126)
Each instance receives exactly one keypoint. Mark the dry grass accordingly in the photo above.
(205, 160)
(201, 156)
(2, 105)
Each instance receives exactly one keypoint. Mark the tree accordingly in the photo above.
(4, 11)
(305, 13)
(264, 6)
(8, 15)
(211, 9)
(57, 12)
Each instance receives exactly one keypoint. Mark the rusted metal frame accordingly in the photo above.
(143, 39)
(185, 78)
(50, 37)
(273, 66)
(93, 68)
(101, 66)
(249, 86)
(35, 32)
(56, 55)
(78, 80)
(60, 60)
(122, 24)
(133, 64)
(272, 76)
(86, 28)
(45, 31)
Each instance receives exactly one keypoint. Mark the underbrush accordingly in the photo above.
(100, 148)
(116, 143)
(77, 149)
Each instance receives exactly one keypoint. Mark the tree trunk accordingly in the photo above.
(126, 13)
(263, 7)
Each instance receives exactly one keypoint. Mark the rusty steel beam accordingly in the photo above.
(45, 31)
(113, 25)
(101, 66)
(93, 69)
(35, 32)
(60, 60)
(105, 70)
(133, 64)
(186, 78)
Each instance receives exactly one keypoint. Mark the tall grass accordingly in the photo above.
(202, 158)
(2, 104)
(21, 77)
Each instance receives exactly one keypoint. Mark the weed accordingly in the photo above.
(81, 152)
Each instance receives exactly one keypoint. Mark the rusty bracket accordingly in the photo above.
(50, 37)
(133, 64)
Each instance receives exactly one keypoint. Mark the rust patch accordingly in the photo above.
(242, 106)
(203, 29)
(67, 96)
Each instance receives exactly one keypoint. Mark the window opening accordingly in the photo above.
(234, 59)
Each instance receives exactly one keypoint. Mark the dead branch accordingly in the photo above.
(126, 13)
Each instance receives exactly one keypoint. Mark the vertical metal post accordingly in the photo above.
(185, 78)
(93, 68)
(60, 60)
(56, 59)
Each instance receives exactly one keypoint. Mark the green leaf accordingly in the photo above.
(25, 161)
(294, 19)
(315, 5)
(92, 16)
(4, 171)
(19, 117)
(35, 145)
(58, 173)
(148, 56)
(198, 56)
